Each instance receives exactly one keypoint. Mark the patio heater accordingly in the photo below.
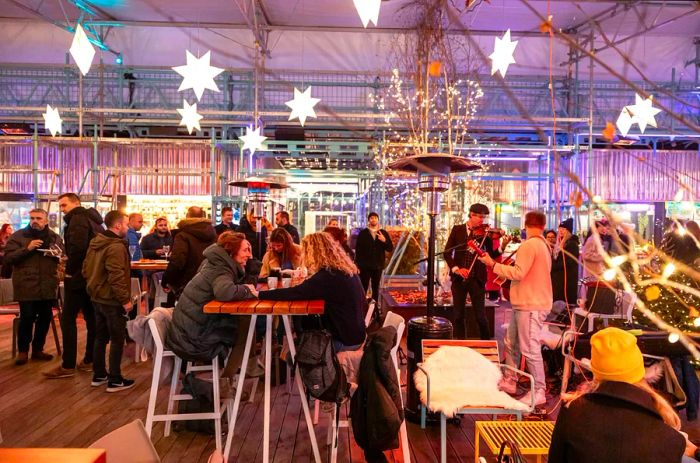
(433, 172)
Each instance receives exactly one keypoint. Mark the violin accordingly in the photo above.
(485, 229)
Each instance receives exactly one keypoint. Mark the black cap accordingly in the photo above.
(478, 208)
(568, 224)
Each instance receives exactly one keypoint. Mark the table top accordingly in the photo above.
(149, 264)
(19, 455)
(263, 307)
(533, 437)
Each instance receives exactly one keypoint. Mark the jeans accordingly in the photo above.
(110, 321)
(76, 300)
(367, 275)
(34, 316)
(477, 293)
(523, 340)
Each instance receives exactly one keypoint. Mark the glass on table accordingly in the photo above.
(132, 250)
(166, 251)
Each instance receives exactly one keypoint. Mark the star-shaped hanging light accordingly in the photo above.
(82, 50)
(624, 121)
(502, 55)
(198, 74)
(368, 11)
(52, 120)
(252, 140)
(302, 105)
(190, 117)
(641, 113)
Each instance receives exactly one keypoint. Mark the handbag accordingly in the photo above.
(515, 455)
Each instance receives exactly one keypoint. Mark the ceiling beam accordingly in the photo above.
(257, 22)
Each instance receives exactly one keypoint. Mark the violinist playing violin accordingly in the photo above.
(467, 273)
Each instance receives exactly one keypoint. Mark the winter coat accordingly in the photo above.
(292, 230)
(222, 227)
(376, 409)
(133, 238)
(257, 242)
(370, 253)
(192, 238)
(344, 299)
(82, 225)
(565, 272)
(271, 260)
(616, 423)
(456, 254)
(195, 335)
(152, 242)
(35, 275)
(107, 270)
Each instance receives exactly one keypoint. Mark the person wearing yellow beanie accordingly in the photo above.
(617, 417)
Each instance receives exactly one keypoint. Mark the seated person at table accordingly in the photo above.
(341, 237)
(617, 417)
(197, 336)
(335, 279)
(281, 253)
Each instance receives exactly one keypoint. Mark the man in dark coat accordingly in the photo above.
(282, 221)
(468, 274)
(372, 245)
(565, 264)
(152, 244)
(226, 221)
(249, 227)
(82, 225)
(34, 252)
(194, 235)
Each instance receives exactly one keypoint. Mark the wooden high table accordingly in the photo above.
(268, 309)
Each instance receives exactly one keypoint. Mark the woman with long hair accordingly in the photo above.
(281, 253)
(617, 417)
(5, 232)
(340, 236)
(335, 279)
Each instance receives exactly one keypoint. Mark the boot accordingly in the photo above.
(22, 358)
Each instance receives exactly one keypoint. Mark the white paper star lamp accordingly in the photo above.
(52, 120)
(502, 55)
(198, 74)
(252, 140)
(82, 50)
(302, 105)
(368, 10)
(643, 112)
(624, 121)
(190, 117)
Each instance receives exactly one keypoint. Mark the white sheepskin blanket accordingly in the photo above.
(461, 377)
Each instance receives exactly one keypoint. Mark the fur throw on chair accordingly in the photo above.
(461, 377)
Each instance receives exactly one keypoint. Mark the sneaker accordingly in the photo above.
(116, 386)
(508, 386)
(60, 372)
(540, 398)
(41, 356)
(84, 366)
(22, 358)
(99, 380)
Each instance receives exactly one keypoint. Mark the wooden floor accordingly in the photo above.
(35, 412)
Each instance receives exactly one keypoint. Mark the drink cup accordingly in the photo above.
(286, 282)
(272, 282)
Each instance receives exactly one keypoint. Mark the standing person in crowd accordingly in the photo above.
(195, 233)
(551, 237)
(226, 221)
(565, 264)
(468, 274)
(493, 289)
(255, 233)
(531, 298)
(152, 244)
(281, 253)
(372, 245)
(333, 223)
(5, 232)
(340, 236)
(591, 256)
(108, 273)
(334, 278)
(617, 417)
(82, 225)
(282, 221)
(134, 235)
(34, 282)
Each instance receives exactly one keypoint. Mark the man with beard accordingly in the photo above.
(370, 252)
(34, 253)
(152, 248)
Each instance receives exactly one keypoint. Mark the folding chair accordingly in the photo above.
(623, 311)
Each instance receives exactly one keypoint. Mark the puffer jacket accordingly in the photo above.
(190, 241)
(195, 335)
(107, 270)
(82, 225)
(257, 241)
(34, 275)
(376, 408)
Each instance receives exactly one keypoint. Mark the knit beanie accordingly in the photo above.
(568, 224)
(615, 356)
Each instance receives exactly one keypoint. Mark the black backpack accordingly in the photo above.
(322, 375)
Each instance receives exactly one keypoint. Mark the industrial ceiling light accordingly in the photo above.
(502, 55)
(190, 117)
(52, 120)
(368, 11)
(302, 105)
(252, 140)
(198, 74)
(82, 50)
